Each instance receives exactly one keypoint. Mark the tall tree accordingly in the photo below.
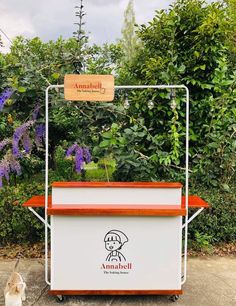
(129, 39)
(231, 38)
(81, 38)
(187, 44)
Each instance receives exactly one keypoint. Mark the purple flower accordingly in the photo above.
(4, 170)
(26, 142)
(79, 161)
(72, 149)
(82, 156)
(6, 94)
(87, 155)
(39, 134)
(4, 143)
(15, 166)
(18, 134)
(36, 112)
(8, 164)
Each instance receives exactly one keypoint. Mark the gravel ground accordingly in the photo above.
(211, 282)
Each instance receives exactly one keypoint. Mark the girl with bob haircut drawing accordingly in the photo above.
(114, 240)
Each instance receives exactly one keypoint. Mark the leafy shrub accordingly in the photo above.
(186, 44)
(202, 242)
(18, 224)
(219, 221)
(64, 167)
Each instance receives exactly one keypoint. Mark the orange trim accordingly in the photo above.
(116, 210)
(194, 202)
(115, 292)
(117, 184)
(38, 201)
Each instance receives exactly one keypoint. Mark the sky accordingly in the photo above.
(48, 19)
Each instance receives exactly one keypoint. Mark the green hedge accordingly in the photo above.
(218, 222)
(17, 224)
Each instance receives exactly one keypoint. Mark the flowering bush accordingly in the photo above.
(82, 156)
(22, 132)
(5, 95)
(10, 161)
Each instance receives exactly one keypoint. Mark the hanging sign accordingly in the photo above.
(85, 87)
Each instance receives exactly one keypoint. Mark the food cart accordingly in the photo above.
(115, 238)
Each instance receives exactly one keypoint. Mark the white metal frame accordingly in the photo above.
(39, 217)
(193, 216)
(126, 87)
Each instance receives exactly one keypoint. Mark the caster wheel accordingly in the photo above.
(60, 298)
(174, 298)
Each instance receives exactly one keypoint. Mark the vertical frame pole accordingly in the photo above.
(186, 187)
(46, 175)
(46, 186)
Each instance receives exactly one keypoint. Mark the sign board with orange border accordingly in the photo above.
(85, 87)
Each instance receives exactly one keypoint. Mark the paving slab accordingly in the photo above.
(210, 282)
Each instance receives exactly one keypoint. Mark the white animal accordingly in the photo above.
(15, 289)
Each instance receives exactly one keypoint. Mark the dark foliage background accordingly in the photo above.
(191, 43)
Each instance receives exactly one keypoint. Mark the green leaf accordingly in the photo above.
(107, 135)
(132, 163)
(55, 75)
(113, 141)
(181, 68)
(104, 144)
(213, 145)
(122, 140)
(226, 187)
(196, 54)
(114, 126)
(21, 89)
(214, 182)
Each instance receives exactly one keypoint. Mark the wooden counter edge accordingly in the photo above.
(117, 211)
(115, 292)
(194, 201)
(37, 201)
(116, 185)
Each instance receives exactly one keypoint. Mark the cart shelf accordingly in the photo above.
(194, 201)
(116, 210)
(38, 201)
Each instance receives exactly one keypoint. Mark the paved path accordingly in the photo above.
(211, 282)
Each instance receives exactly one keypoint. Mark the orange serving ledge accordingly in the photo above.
(117, 210)
(194, 201)
(38, 201)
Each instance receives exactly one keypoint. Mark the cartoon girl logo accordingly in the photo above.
(114, 241)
